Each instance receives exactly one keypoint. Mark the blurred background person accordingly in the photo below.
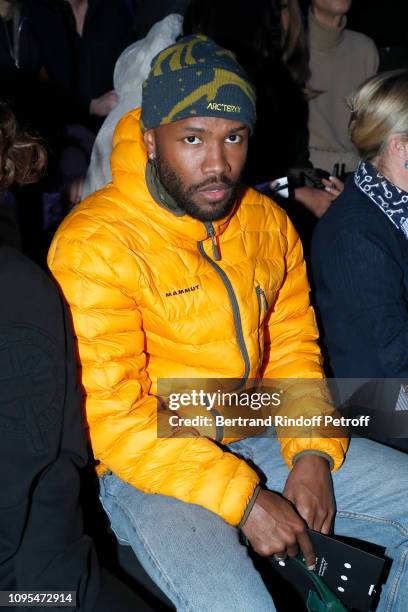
(360, 246)
(56, 69)
(80, 42)
(42, 441)
(340, 60)
(131, 70)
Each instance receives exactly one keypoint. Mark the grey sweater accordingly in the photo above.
(340, 60)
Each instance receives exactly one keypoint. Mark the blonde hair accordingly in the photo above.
(378, 110)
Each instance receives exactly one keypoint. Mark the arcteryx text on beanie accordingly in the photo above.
(196, 78)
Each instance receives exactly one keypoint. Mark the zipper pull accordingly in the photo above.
(261, 294)
(264, 299)
(211, 234)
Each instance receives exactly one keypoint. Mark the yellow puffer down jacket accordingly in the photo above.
(121, 260)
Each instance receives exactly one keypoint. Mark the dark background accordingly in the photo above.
(386, 21)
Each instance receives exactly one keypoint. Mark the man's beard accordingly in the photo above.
(183, 196)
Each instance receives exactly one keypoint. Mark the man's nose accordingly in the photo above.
(216, 161)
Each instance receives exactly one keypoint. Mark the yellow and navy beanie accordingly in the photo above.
(196, 78)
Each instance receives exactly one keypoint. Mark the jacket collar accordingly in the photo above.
(321, 36)
(132, 178)
(159, 193)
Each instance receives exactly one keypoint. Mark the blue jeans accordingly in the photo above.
(197, 560)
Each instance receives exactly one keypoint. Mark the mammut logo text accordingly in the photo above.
(228, 108)
(180, 291)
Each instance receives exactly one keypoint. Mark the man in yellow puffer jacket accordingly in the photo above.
(175, 271)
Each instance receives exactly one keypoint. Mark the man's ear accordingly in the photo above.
(149, 138)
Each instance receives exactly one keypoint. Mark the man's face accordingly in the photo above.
(333, 7)
(199, 162)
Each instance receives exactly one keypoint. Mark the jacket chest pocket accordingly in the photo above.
(262, 302)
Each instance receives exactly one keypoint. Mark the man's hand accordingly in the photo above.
(274, 527)
(103, 105)
(309, 487)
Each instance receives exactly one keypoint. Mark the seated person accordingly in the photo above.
(42, 442)
(176, 270)
(360, 248)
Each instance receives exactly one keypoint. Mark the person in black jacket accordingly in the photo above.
(63, 53)
(360, 251)
(78, 43)
(43, 546)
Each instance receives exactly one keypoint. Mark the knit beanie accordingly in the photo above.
(196, 78)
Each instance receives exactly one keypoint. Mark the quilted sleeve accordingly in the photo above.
(96, 273)
(293, 356)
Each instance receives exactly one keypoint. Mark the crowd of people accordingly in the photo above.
(222, 190)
